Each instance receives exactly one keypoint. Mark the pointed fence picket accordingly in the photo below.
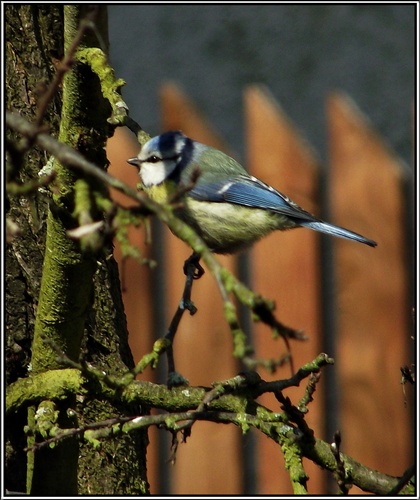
(351, 301)
(373, 303)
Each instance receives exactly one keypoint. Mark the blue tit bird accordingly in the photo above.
(226, 206)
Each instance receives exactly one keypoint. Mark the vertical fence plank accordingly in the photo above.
(210, 462)
(180, 113)
(372, 292)
(285, 267)
(135, 277)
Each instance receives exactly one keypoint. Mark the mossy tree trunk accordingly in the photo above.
(56, 289)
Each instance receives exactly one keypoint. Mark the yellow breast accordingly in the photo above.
(161, 193)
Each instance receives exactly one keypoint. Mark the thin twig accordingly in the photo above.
(229, 386)
(192, 271)
(29, 187)
(303, 372)
(344, 484)
(64, 66)
(68, 433)
(404, 479)
(86, 369)
(269, 364)
(309, 391)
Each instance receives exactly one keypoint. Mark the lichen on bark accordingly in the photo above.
(72, 300)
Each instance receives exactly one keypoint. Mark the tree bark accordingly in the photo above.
(55, 289)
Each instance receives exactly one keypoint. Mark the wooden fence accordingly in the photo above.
(352, 301)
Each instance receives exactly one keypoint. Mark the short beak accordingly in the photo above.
(135, 162)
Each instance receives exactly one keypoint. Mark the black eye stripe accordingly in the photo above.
(156, 159)
(153, 159)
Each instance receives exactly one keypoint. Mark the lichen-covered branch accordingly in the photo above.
(231, 401)
(98, 61)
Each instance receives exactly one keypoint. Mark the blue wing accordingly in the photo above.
(251, 192)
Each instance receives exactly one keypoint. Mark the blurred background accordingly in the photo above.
(300, 52)
(318, 101)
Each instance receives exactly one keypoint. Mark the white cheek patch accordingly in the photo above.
(155, 173)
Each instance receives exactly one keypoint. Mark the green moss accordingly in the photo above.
(98, 61)
(293, 461)
(65, 295)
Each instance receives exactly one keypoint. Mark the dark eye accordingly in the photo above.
(153, 159)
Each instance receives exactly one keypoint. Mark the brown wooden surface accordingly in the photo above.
(372, 304)
(135, 278)
(285, 268)
(210, 461)
(373, 309)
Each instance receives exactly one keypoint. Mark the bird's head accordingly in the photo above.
(163, 157)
